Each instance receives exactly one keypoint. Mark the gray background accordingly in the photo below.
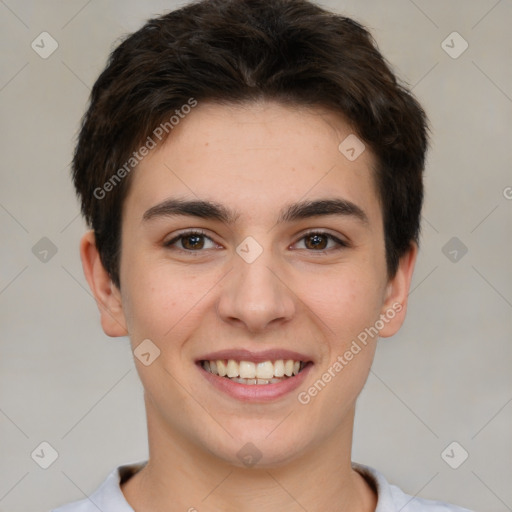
(445, 377)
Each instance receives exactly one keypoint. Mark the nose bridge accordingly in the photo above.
(254, 293)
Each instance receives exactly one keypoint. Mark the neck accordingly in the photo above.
(181, 476)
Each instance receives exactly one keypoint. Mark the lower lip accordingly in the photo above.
(256, 392)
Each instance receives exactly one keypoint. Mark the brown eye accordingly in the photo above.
(316, 241)
(319, 241)
(191, 241)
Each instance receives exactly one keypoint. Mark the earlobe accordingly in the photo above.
(107, 295)
(397, 291)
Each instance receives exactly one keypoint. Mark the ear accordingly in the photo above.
(397, 291)
(106, 293)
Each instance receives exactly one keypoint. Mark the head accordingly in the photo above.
(262, 122)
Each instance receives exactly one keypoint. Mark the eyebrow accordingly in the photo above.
(296, 211)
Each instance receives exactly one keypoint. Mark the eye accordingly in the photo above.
(191, 241)
(319, 241)
(195, 241)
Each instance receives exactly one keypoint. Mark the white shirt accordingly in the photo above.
(110, 498)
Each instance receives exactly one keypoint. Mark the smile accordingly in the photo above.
(255, 377)
(254, 373)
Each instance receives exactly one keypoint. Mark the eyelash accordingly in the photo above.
(341, 244)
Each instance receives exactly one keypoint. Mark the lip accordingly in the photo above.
(256, 357)
(256, 392)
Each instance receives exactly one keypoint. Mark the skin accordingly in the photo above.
(252, 158)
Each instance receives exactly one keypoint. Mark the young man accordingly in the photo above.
(252, 173)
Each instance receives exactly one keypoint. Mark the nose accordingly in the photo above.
(255, 295)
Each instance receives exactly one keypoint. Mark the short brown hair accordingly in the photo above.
(233, 51)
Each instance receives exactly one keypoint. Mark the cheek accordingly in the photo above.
(345, 306)
(163, 304)
(345, 303)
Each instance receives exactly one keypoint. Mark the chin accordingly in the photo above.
(254, 449)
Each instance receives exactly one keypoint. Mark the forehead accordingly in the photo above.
(257, 157)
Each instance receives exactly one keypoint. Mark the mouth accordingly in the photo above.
(255, 377)
(254, 373)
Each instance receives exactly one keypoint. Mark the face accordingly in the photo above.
(250, 240)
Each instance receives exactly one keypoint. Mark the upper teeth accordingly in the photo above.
(251, 370)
